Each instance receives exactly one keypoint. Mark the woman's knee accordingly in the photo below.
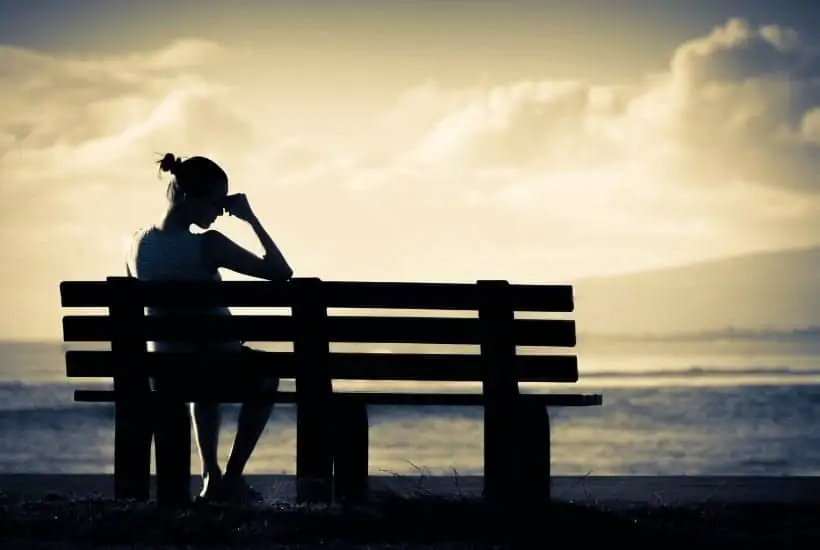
(269, 385)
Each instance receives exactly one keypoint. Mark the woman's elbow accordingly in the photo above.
(275, 270)
(281, 272)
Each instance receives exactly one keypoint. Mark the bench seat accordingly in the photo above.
(389, 398)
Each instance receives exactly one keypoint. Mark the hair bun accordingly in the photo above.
(170, 163)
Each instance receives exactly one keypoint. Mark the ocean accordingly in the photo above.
(719, 407)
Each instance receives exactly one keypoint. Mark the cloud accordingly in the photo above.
(734, 110)
(736, 51)
(722, 147)
(97, 95)
(747, 93)
(715, 154)
(71, 124)
(734, 104)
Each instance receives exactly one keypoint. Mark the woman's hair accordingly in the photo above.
(193, 177)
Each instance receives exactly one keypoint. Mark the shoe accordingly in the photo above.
(235, 490)
(211, 490)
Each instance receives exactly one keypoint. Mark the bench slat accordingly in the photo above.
(338, 294)
(342, 366)
(357, 329)
(444, 296)
(374, 398)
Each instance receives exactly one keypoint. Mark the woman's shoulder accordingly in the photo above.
(143, 232)
(150, 237)
(153, 232)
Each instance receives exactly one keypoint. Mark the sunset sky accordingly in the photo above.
(410, 140)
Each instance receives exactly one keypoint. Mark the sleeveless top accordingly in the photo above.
(157, 255)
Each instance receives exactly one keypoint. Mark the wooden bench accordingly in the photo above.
(332, 427)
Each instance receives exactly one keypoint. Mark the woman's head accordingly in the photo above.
(199, 187)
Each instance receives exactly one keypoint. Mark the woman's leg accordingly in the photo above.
(253, 417)
(207, 420)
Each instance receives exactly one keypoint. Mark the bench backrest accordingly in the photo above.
(311, 328)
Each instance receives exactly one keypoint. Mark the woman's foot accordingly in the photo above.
(211, 488)
(235, 490)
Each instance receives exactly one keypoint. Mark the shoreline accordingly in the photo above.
(609, 491)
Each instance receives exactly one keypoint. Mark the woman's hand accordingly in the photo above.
(225, 253)
(238, 206)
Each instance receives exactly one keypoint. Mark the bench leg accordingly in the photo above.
(132, 450)
(351, 446)
(172, 443)
(314, 453)
(500, 456)
(534, 455)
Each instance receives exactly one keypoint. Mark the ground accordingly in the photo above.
(392, 521)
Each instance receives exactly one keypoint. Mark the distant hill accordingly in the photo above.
(771, 291)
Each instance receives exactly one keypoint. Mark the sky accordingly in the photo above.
(409, 140)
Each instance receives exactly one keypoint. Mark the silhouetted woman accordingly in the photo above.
(168, 250)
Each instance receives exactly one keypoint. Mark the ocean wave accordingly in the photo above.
(23, 395)
(94, 411)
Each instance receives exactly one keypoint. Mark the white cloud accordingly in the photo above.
(721, 148)
(722, 109)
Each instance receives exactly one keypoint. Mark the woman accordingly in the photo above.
(168, 250)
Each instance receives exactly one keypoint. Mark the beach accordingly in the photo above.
(687, 440)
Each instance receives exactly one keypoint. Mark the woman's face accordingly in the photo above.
(207, 208)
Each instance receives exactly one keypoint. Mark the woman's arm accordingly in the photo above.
(272, 253)
(221, 252)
